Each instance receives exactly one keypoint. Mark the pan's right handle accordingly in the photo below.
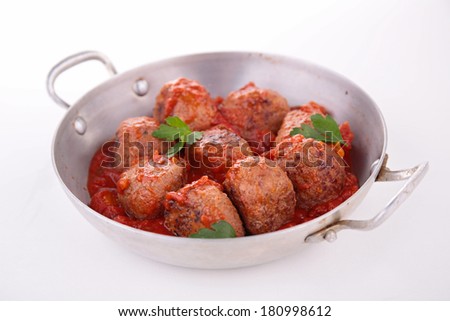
(70, 62)
(413, 176)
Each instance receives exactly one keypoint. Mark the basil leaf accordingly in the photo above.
(220, 230)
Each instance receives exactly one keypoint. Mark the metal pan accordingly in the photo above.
(93, 119)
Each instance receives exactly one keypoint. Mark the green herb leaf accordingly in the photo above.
(324, 129)
(176, 122)
(307, 131)
(166, 132)
(220, 230)
(327, 124)
(193, 137)
(176, 129)
(172, 151)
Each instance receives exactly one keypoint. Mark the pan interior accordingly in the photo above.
(107, 105)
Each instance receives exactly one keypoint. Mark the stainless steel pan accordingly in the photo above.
(93, 119)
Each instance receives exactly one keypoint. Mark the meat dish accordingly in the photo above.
(249, 161)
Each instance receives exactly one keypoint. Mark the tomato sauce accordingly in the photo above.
(103, 190)
(217, 174)
(194, 174)
(347, 136)
(101, 176)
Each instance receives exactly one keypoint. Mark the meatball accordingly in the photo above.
(216, 152)
(136, 142)
(199, 205)
(315, 169)
(262, 193)
(298, 116)
(142, 190)
(188, 100)
(254, 112)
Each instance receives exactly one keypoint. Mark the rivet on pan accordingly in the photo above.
(330, 236)
(140, 87)
(80, 125)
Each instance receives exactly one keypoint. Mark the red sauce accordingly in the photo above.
(105, 202)
(194, 174)
(101, 176)
(217, 174)
(103, 189)
(155, 225)
(347, 136)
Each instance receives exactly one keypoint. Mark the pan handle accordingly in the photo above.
(413, 176)
(69, 62)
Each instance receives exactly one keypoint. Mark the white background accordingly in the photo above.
(398, 51)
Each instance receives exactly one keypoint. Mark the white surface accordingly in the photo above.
(398, 51)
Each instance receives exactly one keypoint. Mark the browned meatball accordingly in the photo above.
(254, 112)
(142, 190)
(262, 193)
(188, 100)
(316, 171)
(298, 116)
(136, 142)
(216, 152)
(199, 205)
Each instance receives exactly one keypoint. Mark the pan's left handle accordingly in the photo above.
(69, 62)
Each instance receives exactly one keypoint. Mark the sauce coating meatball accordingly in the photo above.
(105, 202)
(216, 152)
(103, 172)
(262, 193)
(199, 205)
(315, 169)
(254, 112)
(136, 142)
(188, 100)
(141, 190)
(298, 116)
